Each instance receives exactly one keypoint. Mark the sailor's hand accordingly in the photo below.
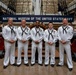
(23, 41)
(63, 42)
(50, 43)
(37, 42)
(12, 41)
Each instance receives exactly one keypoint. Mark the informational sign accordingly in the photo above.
(41, 18)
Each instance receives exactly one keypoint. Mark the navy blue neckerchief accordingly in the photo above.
(50, 33)
(23, 31)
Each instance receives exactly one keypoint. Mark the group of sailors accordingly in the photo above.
(23, 33)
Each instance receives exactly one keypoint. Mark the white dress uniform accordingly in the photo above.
(50, 36)
(36, 34)
(9, 33)
(23, 34)
(65, 33)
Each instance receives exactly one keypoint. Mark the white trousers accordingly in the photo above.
(39, 48)
(9, 53)
(49, 49)
(67, 49)
(22, 46)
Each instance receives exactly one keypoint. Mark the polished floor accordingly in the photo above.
(36, 69)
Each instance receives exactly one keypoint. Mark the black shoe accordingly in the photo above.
(32, 64)
(52, 65)
(13, 64)
(26, 64)
(46, 64)
(4, 67)
(18, 65)
(70, 69)
(41, 64)
(59, 65)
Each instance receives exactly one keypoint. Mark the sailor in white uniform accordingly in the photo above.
(23, 35)
(10, 37)
(37, 37)
(65, 34)
(50, 38)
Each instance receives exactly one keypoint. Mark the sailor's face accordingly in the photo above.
(23, 23)
(37, 24)
(65, 22)
(10, 21)
(50, 25)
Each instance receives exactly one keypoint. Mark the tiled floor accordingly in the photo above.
(36, 69)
